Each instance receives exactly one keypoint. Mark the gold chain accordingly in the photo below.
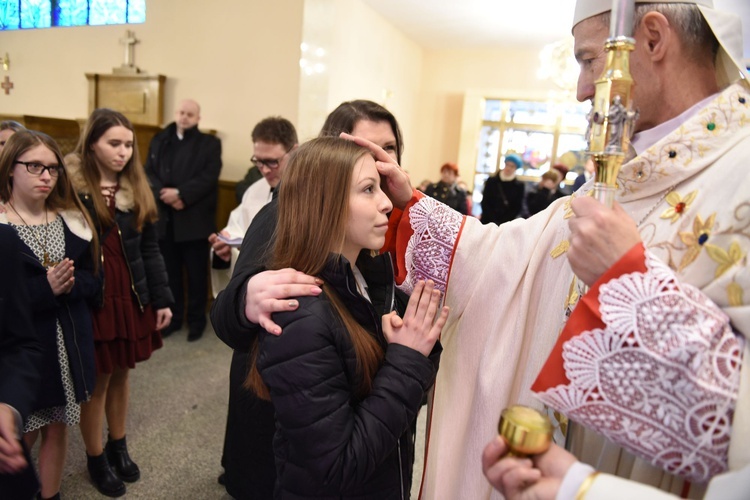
(46, 262)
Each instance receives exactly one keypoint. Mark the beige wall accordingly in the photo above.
(241, 65)
(365, 58)
(448, 76)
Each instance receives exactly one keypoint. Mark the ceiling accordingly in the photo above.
(464, 24)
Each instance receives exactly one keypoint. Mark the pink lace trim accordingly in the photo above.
(661, 380)
(429, 251)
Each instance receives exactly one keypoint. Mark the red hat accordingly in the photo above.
(450, 166)
(561, 168)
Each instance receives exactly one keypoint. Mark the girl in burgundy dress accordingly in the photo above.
(108, 175)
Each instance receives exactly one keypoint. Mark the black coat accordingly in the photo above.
(193, 166)
(451, 195)
(148, 273)
(20, 347)
(501, 200)
(73, 312)
(329, 443)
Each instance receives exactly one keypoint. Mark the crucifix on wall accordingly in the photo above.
(6, 85)
(128, 67)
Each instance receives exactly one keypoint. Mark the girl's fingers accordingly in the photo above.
(411, 307)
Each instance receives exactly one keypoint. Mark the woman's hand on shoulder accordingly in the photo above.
(61, 277)
(163, 318)
(419, 329)
(271, 291)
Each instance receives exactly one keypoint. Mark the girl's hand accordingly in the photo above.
(418, 329)
(163, 318)
(61, 278)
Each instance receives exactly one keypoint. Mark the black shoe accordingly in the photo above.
(169, 330)
(195, 333)
(119, 459)
(103, 477)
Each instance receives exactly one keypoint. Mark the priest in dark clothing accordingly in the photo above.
(183, 167)
(503, 195)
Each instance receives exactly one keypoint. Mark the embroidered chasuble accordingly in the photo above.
(511, 290)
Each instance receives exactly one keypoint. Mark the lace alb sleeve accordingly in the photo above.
(661, 378)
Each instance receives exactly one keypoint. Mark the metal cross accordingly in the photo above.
(129, 41)
(6, 85)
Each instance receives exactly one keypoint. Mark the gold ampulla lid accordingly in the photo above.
(526, 431)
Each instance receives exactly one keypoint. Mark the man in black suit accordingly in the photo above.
(20, 353)
(183, 167)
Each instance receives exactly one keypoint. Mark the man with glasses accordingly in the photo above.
(183, 168)
(274, 138)
(247, 457)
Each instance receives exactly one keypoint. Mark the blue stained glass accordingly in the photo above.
(22, 14)
(10, 18)
(35, 14)
(107, 12)
(136, 11)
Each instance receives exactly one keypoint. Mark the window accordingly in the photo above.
(541, 132)
(29, 14)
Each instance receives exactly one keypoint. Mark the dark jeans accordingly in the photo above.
(192, 257)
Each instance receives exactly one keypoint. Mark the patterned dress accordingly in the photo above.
(123, 333)
(53, 237)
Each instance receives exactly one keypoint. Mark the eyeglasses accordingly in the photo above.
(272, 164)
(35, 168)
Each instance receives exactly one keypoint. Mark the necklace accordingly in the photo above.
(46, 262)
(658, 202)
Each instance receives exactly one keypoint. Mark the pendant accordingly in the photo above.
(48, 263)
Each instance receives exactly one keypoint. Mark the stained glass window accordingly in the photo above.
(27, 14)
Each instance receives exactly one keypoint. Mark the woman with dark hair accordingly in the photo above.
(107, 173)
(347, 376)
(59, 256)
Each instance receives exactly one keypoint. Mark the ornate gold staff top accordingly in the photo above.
(611, 117)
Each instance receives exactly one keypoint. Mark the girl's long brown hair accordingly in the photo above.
(99, 122)
(62, 197)
(313, 213)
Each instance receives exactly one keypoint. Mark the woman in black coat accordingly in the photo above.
(345, 379)
(57, 261)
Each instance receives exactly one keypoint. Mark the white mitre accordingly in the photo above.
(727, 28)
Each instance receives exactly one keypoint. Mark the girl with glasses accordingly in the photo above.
(108, 175)
(60, 256)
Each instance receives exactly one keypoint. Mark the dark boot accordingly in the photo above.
(119, 459)
(103, 477)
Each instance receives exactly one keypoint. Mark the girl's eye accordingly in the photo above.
(389, 148)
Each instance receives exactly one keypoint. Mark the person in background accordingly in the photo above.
(20, 358)
(546, 192)
(348, 375)
(588, 174)
(8, 128)
(183, 167)
(465, 188)
(447, 191)
(502, 199)
(59, 257)
(424, 185)
(274, 138)
(107, 174)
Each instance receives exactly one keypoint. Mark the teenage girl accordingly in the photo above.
(59, 256)
(110, 180)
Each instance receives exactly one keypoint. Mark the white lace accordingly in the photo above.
(661, 379)
(429, 251)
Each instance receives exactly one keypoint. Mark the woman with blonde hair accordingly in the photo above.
(347, 375)
(110, 180)
(59, 256)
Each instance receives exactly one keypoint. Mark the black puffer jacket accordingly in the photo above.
(329, 443)
(148, 273)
